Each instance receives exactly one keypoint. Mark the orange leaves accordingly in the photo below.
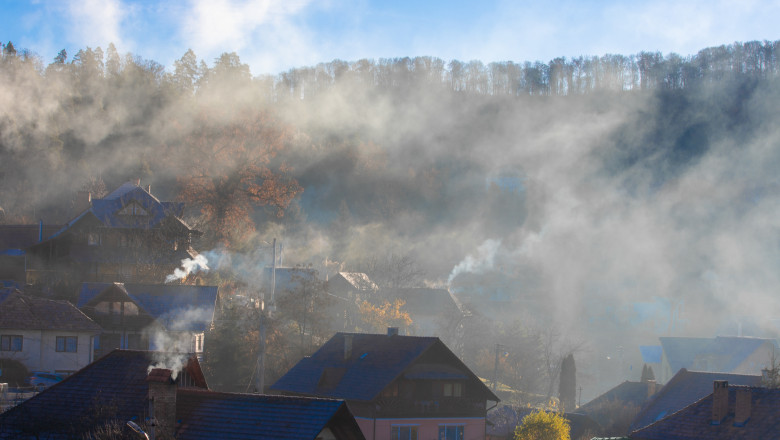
(230, 169)
(378, 318)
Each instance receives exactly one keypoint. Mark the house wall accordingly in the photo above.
(30, 355)
(427, 429)
(39, 350)
(758, 360)
(52, 360)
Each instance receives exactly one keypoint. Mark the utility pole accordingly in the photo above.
(260, 385)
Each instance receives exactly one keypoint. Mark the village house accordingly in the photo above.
(685, 388)
(44, 334)
(729, 413)
(127, 236)
(166, 395)
(398, 387)
(149, 316)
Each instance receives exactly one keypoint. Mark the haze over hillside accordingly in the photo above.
(613, 198)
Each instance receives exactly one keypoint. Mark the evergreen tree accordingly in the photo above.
(567, 390)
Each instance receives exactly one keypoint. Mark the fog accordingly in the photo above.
(615, 206)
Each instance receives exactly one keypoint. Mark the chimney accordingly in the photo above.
(138, 182)
(149, 189)
(83, 201)
(651, 388)
(720, 401)
(347, 347)
(744, 406)
(162, 402)
(392, 331)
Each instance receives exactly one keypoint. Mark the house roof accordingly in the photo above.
(694, 421)
(635, 393)
(375, 361)
(114, 384)
(16, 237)
(206, 415)
(176, 307)
(116, 387)
(107, 210)
(723, 353)
(651, 354)
(25, 312)
(424, 300)
(358, 280)
(682, 390)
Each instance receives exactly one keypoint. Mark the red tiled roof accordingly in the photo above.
(694, 422)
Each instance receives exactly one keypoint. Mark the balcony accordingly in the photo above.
(433, 407)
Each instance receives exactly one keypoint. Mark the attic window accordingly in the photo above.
(133, 209)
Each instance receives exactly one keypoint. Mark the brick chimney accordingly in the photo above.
(744, 406)
(720, 401)
(162, 402)
(651, 388)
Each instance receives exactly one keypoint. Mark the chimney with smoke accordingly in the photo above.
(720, 401)
(162, 401)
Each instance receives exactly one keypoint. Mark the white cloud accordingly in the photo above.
(246, 27)
(96, 22)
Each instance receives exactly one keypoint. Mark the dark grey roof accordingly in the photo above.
(176, 307)
(26, 312)
(375, 361)
(682, 390)
(207, 415)
(113, 387)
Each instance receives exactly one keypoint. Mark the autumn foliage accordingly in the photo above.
(543, 425)
(230, 169)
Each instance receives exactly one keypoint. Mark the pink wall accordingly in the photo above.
(427, 429)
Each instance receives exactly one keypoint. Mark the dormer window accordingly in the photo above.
(93, 239)
(133, 209)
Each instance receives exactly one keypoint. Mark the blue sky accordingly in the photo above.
(275, 35)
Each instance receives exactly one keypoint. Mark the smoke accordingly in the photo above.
(172, 337)
(479, 264)
(188, 266)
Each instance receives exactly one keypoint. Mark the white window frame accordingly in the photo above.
(66, 348)
(9, 345)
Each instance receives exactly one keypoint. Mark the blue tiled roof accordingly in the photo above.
(375, 361)
(207, 415)
(651, 354)
(721, 353)
(106, 209)
(176, 307)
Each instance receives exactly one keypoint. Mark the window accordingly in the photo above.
(403, 433)
(451, 432)
(93, 239)
(11, 343)
(67, 344)
(453, 389)
(133, 209)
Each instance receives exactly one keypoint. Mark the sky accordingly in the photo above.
(273, 36)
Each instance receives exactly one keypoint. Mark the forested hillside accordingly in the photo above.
(600, 192)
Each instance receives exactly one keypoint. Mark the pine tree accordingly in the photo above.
(567, 390)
